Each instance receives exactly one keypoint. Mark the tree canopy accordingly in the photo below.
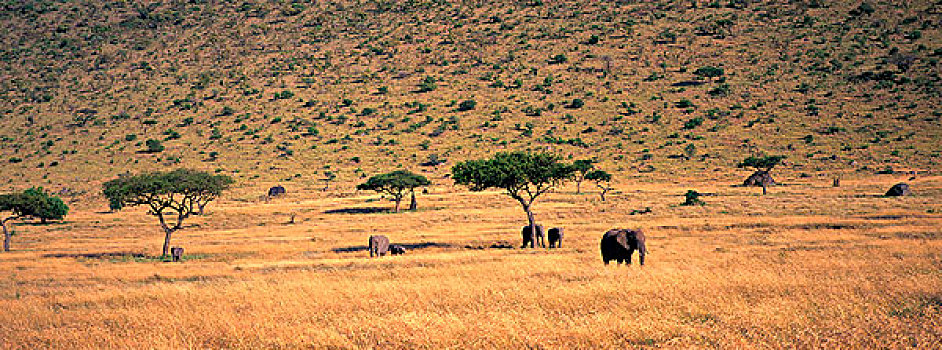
(709, 72)
(582, 167)
(33, 202)
(396, 184)
(764, 163)
(176, 193)
(602, 179)
(524, 176)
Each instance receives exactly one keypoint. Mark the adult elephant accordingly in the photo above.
(620, 244)
(532, 239)
(379, 245)
(555, 237)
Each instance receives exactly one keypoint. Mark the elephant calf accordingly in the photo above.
(532, 239)
(620, 244)
(396, 249)
(379, 245)
(555, 237)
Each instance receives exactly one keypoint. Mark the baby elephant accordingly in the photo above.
(396, 249)
(379, 245)
(620, 244)
(555, 237)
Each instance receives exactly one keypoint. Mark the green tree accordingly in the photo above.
(602, 181)
(328, 177)
(170, 195)
(396, 184)
(524, 176)
(154, 146)
(582, 168)
(764, 163)
(709, 72)
(31, 203)
(428, 84)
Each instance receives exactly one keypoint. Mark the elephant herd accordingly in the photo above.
(617, 244)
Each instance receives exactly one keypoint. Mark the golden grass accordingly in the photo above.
(807, 266)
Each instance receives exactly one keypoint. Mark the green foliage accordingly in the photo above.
(178, 190)
(692, 198)
(523, 175)
(599, 176)
(709, 72)
(467, 105)
(576, 103)
(154, 146)
(693, 123)
(35, 203)
(396, 184)
(558, 59)
(428, 84)
(765, 163)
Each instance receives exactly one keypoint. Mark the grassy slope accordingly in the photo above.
(161, 65)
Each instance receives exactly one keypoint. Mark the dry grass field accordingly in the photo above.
(806, 266)
(666, 95)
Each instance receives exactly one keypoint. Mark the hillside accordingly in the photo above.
(283, 91)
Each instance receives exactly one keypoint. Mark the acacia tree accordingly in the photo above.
(396, 184)
(763, 165)
(582, 167)
(328, 177)
(602, 181)
(524, 176)
(35, 203)
(172, 194)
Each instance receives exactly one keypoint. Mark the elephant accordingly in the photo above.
(276, 191)
(528, 237)
(555, 236)
(379, 245)
(396, 249)
(620, 244)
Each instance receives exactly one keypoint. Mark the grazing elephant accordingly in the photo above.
(276, 191)
(555, 237)
(528, 237)
(620, 244)
(379, 245)
(396, 249)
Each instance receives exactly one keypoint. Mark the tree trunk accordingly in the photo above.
(398, 199)
(166, 242)
(413, 205)
(532, 221)
(603, 193)
(578, 187)
(6, 237)
(201, 206)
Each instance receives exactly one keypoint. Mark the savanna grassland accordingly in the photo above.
(667, 96)
(843, 270)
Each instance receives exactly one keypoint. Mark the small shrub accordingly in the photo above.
(692, 198)
(154, 146)
(467, 105)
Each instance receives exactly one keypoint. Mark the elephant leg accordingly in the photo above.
(642, 251)
(628, 257)
(606, 261)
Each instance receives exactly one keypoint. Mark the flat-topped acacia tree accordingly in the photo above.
(602, 180)
(396, 184)
(175, 194)
(582, 168)
(524, 176)
(31, 203)
(763, 166)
